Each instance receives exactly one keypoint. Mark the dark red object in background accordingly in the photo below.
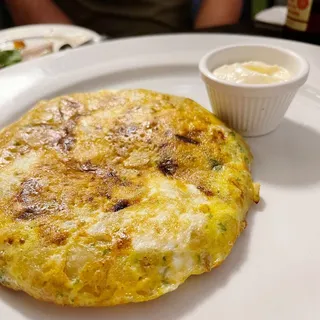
(303, 16)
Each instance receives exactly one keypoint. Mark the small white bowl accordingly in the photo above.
(252, 109)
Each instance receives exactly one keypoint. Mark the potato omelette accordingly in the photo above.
(118, 196)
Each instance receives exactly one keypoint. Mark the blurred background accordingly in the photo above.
(47, 26)
(120, 18)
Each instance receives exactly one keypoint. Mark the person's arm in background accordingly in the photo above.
(218, 12)
(36, 11)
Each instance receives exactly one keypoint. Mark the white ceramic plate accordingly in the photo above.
(58, 34)
(273, 271)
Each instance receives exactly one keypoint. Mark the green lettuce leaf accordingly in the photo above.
(9, 57)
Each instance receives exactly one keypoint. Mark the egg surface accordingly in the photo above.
(118, 196)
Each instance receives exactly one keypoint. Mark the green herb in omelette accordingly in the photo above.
(222, 227)
(105, 251)
(215, 164)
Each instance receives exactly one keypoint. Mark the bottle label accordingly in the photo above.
(299, 14)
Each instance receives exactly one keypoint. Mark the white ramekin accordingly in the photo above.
(258, 109)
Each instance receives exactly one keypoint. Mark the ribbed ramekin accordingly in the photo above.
(252, 109)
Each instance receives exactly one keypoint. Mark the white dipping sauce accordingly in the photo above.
(252, 72)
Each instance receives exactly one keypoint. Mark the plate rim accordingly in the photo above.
(42, 26)
(162, 37)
